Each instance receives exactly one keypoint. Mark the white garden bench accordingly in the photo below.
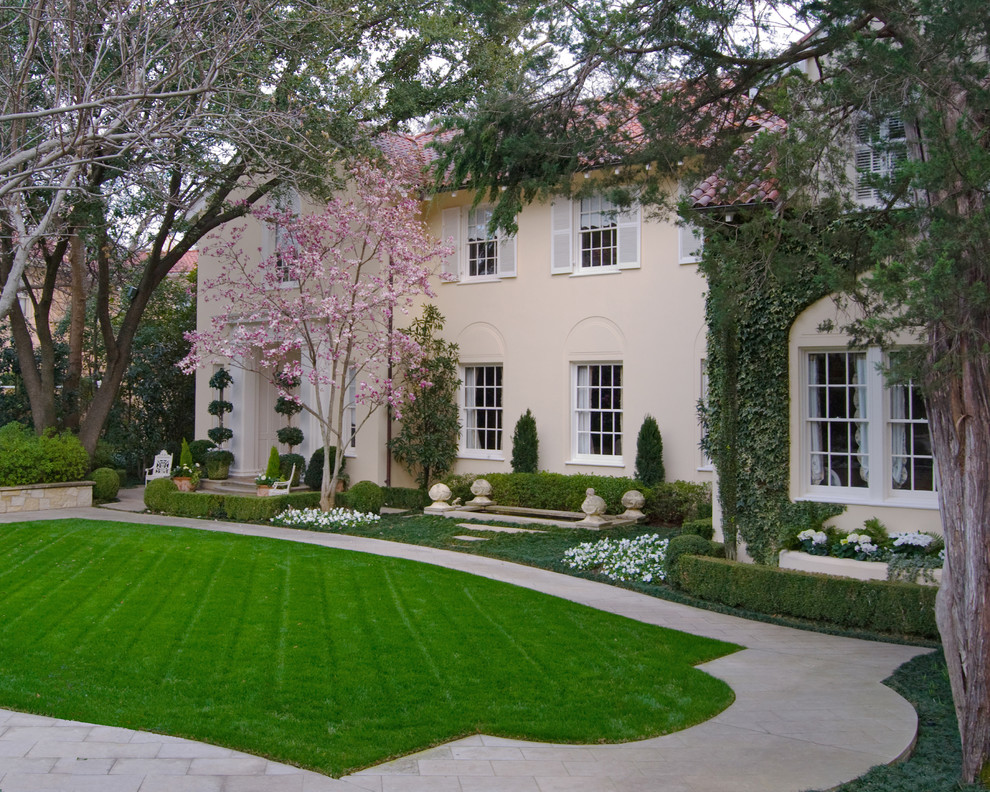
(162, 467)
(283, 487)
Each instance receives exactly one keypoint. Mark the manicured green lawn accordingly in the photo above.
(322, 658)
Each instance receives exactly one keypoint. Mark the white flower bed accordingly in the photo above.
(639, 559)
(318, 520)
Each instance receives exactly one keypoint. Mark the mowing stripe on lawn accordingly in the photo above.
(318, 657)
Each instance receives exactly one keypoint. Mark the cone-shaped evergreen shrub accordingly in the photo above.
(274, 469)
(649, 453)
(525, 445)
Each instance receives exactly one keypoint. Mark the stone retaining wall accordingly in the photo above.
(39, 497)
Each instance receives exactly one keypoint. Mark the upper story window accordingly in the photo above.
(862, 441)
(277, 238)
(479, 254)
(593, 235)
(597, 414)
(880, 146)
(598, 232)
(481, 419)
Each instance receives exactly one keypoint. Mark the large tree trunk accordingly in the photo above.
(960, 422)
(77, 326)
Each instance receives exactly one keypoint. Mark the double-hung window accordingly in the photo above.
(592, 235)
(278, 242)
(597, 422)
(863, 441)
(478, 253)
(481, 433)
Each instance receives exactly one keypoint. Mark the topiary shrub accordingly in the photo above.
(106, 484)
(199, 449)
(273, 470)
(649, 453)
(525, 445)
(158, 493)
(286, 463)
(290, 436)
(218, 462)
(686, 544)
(365, 496)
(220, 434)
(702, 528)
(314, 470)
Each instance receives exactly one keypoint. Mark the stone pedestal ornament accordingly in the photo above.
(634, 501)
(481, 490)
(440, 493)
(594, 509)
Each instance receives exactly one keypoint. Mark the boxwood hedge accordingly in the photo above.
(896, 608)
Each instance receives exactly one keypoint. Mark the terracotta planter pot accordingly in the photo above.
(183, 483)
(263, 490)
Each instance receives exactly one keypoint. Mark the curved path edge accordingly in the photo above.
(811, 712)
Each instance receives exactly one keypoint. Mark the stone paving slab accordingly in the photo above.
(496, 528)
(810, 713)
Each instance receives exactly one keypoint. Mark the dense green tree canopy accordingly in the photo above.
(680, 85)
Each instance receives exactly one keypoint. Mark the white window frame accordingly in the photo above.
(879, 149)
(458, 225)
(877, 431)
(582, 401)
(289, 201)
(468, 389)
(567, 236)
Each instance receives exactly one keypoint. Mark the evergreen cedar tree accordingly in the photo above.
(525, 445)
(649, 453)
(916, 264)
(358, 264)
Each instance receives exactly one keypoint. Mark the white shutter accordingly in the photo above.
(690, 243)
(627, 236)
(865, 161)
(562, 237)
(506, 255)
(450, 231)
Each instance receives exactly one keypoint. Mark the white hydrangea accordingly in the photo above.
(622, 559)
(813, 536)
(319, 520)
(912, 539)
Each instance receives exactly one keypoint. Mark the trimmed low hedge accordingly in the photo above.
(669, 503)
(161, 495)
(688, 544)
(405, 498)
(896, 608)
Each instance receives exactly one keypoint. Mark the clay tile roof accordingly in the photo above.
(718, 190)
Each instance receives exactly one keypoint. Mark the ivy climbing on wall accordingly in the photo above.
(762, 273)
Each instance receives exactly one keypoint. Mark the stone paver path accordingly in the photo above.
(810, 713)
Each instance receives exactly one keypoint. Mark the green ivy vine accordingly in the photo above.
(762, 273)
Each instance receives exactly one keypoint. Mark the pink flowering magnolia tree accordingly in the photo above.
(322, 307)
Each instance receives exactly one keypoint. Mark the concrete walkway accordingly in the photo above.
(810, 713)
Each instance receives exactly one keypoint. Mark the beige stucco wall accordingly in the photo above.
(899, 511)
(536, 325)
